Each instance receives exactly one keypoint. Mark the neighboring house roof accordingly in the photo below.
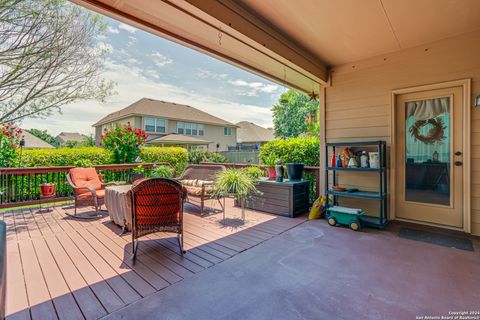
(178, 138)
(250, 132)
(70, 136)
(33, 142)
(166, 110)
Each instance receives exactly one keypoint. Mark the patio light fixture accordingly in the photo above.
(477, 101)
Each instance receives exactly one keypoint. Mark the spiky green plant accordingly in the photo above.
(162, 172)
(234, 182)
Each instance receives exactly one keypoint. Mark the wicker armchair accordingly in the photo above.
(157, 206)
(88, 189)
(198, 180)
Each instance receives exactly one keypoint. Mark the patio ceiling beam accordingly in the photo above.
(184, 23)
(238, 17)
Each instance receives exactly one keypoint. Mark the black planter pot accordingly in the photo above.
(295, 171)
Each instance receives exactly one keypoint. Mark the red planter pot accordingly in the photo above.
(47, 190)
(271, 173)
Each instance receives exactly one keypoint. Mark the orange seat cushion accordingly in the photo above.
(85, 177)
(88, 196)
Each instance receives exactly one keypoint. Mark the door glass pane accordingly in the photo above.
(427, 147)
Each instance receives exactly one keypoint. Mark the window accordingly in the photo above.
(187, 128)
(180, 127)
(227, 131)
(155, 125)
(150, 124)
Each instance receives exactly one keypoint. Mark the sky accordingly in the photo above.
(145, 65)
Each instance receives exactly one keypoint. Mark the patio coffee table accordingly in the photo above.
(118, 205)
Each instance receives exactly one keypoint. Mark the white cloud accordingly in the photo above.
(101, 37)
(253, 88)
(112, 30)
(206, 74)
(159, 59)
(127, 28)
(133, 83)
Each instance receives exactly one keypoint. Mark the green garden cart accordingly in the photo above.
(345, 216)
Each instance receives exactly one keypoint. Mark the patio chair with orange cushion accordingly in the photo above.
(198, 180)
(88, 189)
(157, 206)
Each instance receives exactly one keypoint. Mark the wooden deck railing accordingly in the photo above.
(21, 186)
(311, 173)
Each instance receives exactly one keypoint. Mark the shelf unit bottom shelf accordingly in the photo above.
(374, 222)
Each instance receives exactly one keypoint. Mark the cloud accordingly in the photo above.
(112, 29)
(132, 41)
(253, 87)
(206, 74)
(127, 28)
(159, 59)
(133, 83)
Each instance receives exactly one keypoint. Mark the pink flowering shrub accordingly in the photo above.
(10, 137)
(124, 142)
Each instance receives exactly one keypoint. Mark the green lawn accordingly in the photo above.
(36, 206)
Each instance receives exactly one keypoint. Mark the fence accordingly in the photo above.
(310, 173)
(239, 156)
(21, 186)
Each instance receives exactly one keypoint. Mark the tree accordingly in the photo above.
(45, 136)
(124, 142)
(295, 115)
(49, 57)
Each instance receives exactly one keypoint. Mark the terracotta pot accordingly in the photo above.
(271, 173)
(47, 190)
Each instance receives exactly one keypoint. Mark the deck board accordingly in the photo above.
(64, 268)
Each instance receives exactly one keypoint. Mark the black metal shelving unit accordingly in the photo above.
(381, 195)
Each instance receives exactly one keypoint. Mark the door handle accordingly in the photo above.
(458, 153)
(458, 163)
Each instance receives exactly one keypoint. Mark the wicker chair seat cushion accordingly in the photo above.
(85, 177)
(88, 196)
(197, 191)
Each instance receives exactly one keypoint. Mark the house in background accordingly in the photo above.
(70, 137)
(33, 142)
(251, 136)
(172, 124)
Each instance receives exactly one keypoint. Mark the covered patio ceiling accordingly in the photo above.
(296, 43)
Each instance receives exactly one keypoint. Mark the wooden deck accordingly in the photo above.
(61, 268)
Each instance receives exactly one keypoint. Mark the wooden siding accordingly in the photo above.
(358, 102)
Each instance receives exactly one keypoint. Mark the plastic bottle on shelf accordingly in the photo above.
(333, 161)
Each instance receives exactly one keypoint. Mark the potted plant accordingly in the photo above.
(237, 183)
(254, 172)
(295, 171)
(138, 173)
(270, 161)
(47, 189)
(162, 172)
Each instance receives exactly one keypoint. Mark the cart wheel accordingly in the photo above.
(355, 225)
(332, 221)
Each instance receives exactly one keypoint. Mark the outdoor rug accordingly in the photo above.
(441, 239)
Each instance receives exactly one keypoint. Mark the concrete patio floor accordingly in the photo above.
(315, 271)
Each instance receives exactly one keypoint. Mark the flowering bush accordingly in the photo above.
(124, 142)
(10, 137)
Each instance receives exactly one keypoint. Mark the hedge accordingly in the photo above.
(176, 156)
(66, 157)
(197, 156)
(305, 150)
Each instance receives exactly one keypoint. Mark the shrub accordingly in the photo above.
(86, 156)
(124, 142)
(162, 172)
(175, 156)
(10, 137)
(197, 156)
(305, 150)
(254, 172)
